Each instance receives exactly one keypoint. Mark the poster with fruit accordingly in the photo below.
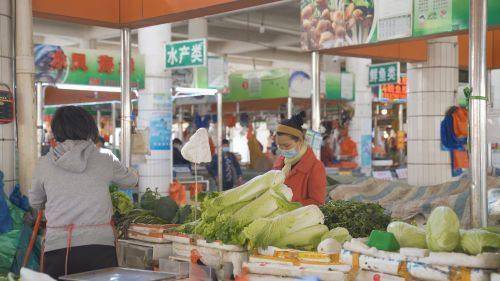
(336, 23)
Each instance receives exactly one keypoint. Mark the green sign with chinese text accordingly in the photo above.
(384, 73)
(186, 54)
(66, 65)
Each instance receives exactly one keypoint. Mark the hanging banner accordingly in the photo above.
(395, 19)
(332, 24)
(384, 73)
(186, 54)
(66, 65)
(339, 86)
(256, 85)
(300, 84)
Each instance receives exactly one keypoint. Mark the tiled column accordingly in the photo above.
(431, 90)
(156, 171)
(361, 125)
(7, 140)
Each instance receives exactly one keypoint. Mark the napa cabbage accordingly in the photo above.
(339, 234)
(408, 235)
(265, 232)
(476, 241)
(243, 193)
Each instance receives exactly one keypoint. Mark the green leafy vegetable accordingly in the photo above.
(307, 238)
(185, 214)
(148, 199)
(408, 235)
(476, 241)
(443, 230)
(166, 208)
(339, 234)
(244, 193)
(121, 203)
(269, 232)
(357, 217)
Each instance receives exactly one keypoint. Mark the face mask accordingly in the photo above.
(291, 153)
(225, 149)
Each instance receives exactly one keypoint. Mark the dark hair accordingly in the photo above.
(176, 141)
(73, 123)
(100, 140)
(296, 122)
(225, 141)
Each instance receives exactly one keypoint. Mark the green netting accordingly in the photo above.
(8, 248)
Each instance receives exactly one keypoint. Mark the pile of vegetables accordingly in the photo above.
(259, 213)
(357, 217)
(443, 234)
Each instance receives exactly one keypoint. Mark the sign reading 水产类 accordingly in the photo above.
(384, 73)
(186, 54)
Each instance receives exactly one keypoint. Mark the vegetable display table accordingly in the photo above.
(215, 254)
(418, 263)
(119, 274)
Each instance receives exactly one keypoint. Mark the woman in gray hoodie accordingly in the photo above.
(71, 184)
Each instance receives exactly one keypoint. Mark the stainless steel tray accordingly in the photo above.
(119, 274)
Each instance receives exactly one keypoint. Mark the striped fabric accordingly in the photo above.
(407, 202)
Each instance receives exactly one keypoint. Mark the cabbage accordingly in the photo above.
(329, 246)
(340, 234)
(244, 193)
(228, 226)
(443, 230)
(408, 235)
(265, 232)
(306, 238)
(475, 241)
(276, 198)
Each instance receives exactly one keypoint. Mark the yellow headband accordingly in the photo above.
(290, 131)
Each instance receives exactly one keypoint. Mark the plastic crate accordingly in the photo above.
(178, 268)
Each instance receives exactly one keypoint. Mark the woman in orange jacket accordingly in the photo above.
(305, 174)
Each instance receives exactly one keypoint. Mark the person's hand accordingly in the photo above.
(240, 180)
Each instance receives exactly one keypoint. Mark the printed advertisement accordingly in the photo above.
(160, 126)
(339, 86)
(366, 151)
(327, 24)
(66, 65)
(394, 19)
(256, 85)
(432, 16)
(330, 24)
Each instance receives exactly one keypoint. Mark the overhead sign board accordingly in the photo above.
(186, 54)
(339, 86)
(340, 23)
(66, 65)
(384, 73)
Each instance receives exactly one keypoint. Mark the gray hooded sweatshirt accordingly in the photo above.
(71, 182)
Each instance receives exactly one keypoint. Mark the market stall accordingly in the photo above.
(84, 77)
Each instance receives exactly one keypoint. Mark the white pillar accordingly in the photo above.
(197, 29)
(7, 134)
(155, 101)
(361, 125)
(431, 88)
(26, 102)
